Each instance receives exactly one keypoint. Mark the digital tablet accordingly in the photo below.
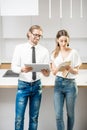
(38, 67)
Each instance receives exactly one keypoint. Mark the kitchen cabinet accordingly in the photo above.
(0, 28)
(15, 26)
(71, 16)
(0, 37)
(61, 14)
(51, 24)
(19, 7)
(75, 20)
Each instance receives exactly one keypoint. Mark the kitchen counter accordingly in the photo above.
(47, 82)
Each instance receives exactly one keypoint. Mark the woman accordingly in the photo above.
(65, 84)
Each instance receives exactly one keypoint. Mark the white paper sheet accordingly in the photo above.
(63, 65)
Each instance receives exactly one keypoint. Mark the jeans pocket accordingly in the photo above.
(21, 85)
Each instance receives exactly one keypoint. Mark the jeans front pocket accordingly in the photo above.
(21, 85)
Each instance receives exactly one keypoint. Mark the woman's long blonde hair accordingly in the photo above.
(59, 34)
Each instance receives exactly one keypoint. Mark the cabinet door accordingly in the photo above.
(0, 30)
(0, 37)
(75, 20)
(48, 19)
(15, 27)
(19, 7)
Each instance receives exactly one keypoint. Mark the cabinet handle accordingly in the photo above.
(70, 8)
(49, 8)
(81, 8)
(60, 8)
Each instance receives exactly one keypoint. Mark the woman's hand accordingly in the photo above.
(72, 70)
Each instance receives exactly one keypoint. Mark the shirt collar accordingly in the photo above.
(29, 45)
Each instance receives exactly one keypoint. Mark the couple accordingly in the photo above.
(31, 88)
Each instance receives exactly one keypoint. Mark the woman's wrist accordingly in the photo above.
(73, 70)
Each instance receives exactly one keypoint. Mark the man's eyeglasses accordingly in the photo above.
(37, 35)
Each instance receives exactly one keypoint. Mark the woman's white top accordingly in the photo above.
(73, 57)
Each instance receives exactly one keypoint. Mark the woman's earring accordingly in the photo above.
(68, 44)
(58, 44)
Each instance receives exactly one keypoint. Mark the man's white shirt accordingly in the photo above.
(23, 55)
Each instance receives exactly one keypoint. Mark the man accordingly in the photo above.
(29, 87)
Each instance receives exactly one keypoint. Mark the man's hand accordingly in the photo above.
(26, 69)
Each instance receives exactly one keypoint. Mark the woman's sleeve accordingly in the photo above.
(76, 59)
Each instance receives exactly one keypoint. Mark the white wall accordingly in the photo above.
(47, 114)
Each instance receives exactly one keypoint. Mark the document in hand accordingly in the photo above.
(38, 67)
(63, 65)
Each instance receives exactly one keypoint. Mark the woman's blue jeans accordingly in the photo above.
(65, 89)
(33, 92)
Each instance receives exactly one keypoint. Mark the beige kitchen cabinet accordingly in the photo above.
(15, 26)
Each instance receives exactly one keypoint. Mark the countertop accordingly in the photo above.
(47, 82)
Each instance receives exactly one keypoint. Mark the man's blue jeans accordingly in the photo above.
(33, 92)
(65, 89)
